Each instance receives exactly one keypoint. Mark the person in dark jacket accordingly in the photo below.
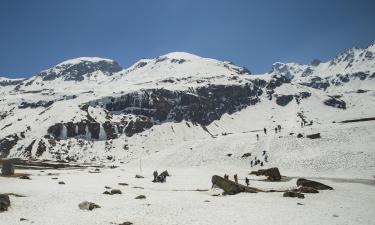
(155, 175)
(235, 178)
(265, 130)
(247, 181)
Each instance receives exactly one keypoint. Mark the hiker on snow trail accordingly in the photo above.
(279, 127)
(275, 129)
(247, 181)
(257, 137)
(235, 178)
(251, 163)
(264, 152)
(155, 175)
(226, 177)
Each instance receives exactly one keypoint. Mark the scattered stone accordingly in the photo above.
(248, 154)
(299, 135)
(138, 187)
(314, 136)
(298, 203)
(126, 223)
(85, 205)
(61, 182)
(206, 201)
(293, 194)
(140, 197)
(23, 219)
(7, 168)
(229, 154)
(272, 174)
(4, 202)
(107, 187)
(116, 191)
(335, 215)
(139, 176)
(54, 178)
(312, 184)
(106, 193)
(25, 177)
(123, 184)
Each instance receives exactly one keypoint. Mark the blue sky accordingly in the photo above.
(38, 34)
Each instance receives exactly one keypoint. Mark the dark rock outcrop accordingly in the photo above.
(312, 184)
(284, 100)
(7, 143)
(335, 102)
(272, 174)
(41, 148)
(88, 205)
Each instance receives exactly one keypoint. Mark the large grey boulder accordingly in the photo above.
(230, 187)
(312, 184)
(85, 205)
(272, 174)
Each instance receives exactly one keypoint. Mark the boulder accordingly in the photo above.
(299, 135)
(313, 136)
(123, 184)
(248, 154)
(115, 191)
(61, 182)
(309, 190)
(293, 194)
(231, 187)
(126, 223)
(4, 202)
(272, 174)
(106, 193)
(140, 197)
(85, 205)
(25, 177)
(312, 184)
(139, 176)
(7, 168)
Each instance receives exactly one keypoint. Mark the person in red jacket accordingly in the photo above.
(235, 178)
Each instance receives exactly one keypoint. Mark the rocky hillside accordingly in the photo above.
(90, 108)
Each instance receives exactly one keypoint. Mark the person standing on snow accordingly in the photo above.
(265, 130)
(247, 181)
(257, 137)
(235, 178)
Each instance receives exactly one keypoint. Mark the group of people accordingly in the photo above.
(256, 161)
(235, 177)
(277, 129)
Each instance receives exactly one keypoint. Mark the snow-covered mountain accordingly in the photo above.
(90, 108)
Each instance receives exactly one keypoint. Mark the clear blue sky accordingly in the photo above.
(37, 34)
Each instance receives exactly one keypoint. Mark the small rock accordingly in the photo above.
(61, 182)
(248, 154)
(138, 187)
(139, 176)
(229, 154)
(107, 193)
(298, 203)
(312, 184)
(293, 194)
(115, 191)
(23, 219)
(335, 215)
(126, 223)
(123, 184)
(140, 197)
(54, 178)
(25, 177)
(85, 205)
(107, 187)
(299, 135)
(206, 201)
(4, 203)
(314, 136)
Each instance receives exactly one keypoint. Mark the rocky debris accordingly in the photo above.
(4, 202)
(107, 193)
(299, 135)
(303, 189)
(107, 187)
(116, 191)
(85, 205)
(140, 197)
(293, 194)
(139, 176)
(25, 177)
(312, 184)
(272, 174)
(138, 187)
(248, 154)
(230, 187)
(41, 148)
(229, 154)
(61, 182)
(123, 184)
(313, 136)
(335, 102)
(7, 168)
(23, 219)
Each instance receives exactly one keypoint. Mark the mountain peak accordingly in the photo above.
(181, 55)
